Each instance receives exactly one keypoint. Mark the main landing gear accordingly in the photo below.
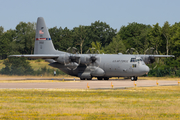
(85, 78)
(100, 78)
(134, 78)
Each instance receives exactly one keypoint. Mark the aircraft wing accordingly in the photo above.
(37, 56)
(151, 58)
(156, 56)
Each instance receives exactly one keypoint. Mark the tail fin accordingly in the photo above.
(43, 43)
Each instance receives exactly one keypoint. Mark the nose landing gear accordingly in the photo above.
(134, 78)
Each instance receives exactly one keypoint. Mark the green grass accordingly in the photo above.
(135, 103)
(37, 64)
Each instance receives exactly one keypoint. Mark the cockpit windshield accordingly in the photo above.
(139, 60)
(136, 60)
(133, 60)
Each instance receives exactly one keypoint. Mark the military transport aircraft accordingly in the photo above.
(86, 66)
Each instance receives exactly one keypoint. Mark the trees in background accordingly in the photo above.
(116, 46)
(18, 41)
(96, 48)
(164, 39)
(134, 35)
(62, 38)
(7, 46)
(101, 32)
(25, 37)
(17, 66)
(166, 34)
(80, 36)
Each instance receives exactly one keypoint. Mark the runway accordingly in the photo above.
(115, 84)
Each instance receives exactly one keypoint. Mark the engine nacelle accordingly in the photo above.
(66, 59)
(85, 59)
(61, 59)
(89, 59)
(151, 59)
(70, 61)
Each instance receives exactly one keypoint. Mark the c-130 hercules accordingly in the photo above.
(87, 66)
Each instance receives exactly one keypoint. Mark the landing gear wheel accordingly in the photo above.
(89, 78)
(106, 78)
(82, 78)
(99, 78)
(133, 78)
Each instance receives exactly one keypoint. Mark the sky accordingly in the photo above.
(72, 13)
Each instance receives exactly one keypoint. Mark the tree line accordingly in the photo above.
(133, 38)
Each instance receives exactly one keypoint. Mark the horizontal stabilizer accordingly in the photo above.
(37, 56)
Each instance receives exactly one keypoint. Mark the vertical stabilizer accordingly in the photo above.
(43, 43)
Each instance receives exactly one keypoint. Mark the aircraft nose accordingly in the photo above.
(146, 69)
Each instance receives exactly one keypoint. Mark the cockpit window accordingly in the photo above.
(133, 60)
(139, 60)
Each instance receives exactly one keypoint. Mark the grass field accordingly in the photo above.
(135, 103)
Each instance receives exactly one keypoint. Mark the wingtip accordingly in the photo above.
(16, 56)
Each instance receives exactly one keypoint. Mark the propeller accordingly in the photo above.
(132, 51)
(72, 50)
(153, 62)
(92, 51)
(71, 61)
(93, 61)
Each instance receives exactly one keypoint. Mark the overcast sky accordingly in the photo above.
(72, 13)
